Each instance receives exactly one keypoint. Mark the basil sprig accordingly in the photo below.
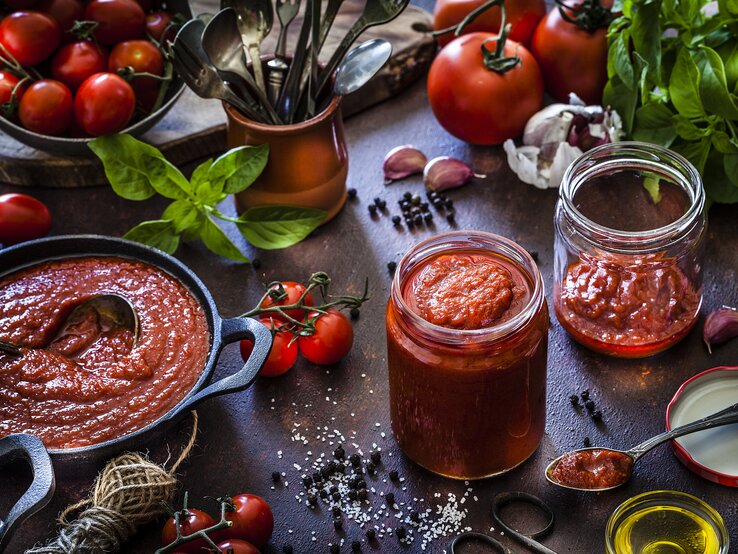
(137, 171)
(673, 77)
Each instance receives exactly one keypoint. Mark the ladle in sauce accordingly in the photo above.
(112, 308)
(600, 469)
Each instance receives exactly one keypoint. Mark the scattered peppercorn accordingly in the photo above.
(376, 456)
(396, 219)
(407, 196)
(410, 222)
(449, 203)
(355, 546)
(415, 200)
(336, 496)
(597, 415)
(589, 404)
(312, 499)
(370, 534)
(390, 498)
(428, 217)
(381, 204)
(392, 265)
(333, 489)
(377, 199)
(404, 205)
(323, 493)
(372, 209)
(276, 476)
(354, 313)
(370, 468)
(394, 475)
(317, 477)
(336, 511)
(337, 524)
(340, 467)
(584, 394)
(424, 206)
(401, 533)
(339, 453)
(325, 472)
(414, 516)
(287, 549)
(418, 219)
(307, 481)
(351, 193)
(361, 484)
(587, 442)
(256, 263)
(451, 217)
(362, 494)
(574, 399)
(353, 495)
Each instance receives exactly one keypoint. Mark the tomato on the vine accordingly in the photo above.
(30, 37)
(157, 24)
(572, 58)
(144, 57)
(282, 356)
(104, 104)
(236, 546)
(478, 104)
(252, 520)
(191, 520)
(76, 61)
(331, 341)
(8, 84)
(65, 12)
(22, 218)
(523, 16)
(117, 20)
(46, 107)
(294, 291)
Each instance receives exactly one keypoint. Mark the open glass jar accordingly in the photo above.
(629, 248)
(467, 326)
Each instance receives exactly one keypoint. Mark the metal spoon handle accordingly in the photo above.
(724, 417)
(255, 55)
(350, 37)
(235, 100)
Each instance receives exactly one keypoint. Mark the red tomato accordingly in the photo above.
(331, 341)
(294, 291)
(479, 105)
(104, 104)
(118, 20)
(22, 218)
(282, 356)
(143, 57)
(572, 59)
(523, 16)
(75, 62)
(46, 107)
(252, 520)
(157, 23)
(30, 37)
(8, 83)
(191, 521)
(66, 12)
(235, 546)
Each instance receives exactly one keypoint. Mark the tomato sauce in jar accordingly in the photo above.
(467, 343)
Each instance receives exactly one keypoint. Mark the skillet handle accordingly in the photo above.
(231, 330)
(39, 493)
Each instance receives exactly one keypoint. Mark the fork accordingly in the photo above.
(286, 12)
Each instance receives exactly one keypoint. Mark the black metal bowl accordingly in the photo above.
(66, 146)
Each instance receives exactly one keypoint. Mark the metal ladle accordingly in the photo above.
(255, 18)
(114, 308)
(724, 417)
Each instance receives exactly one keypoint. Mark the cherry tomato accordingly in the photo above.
(19, 4)
(156, 25)
(572, 59)
(118, 20)
(8, 83)
(22, 218)
(282, 356)
(252, 520)
(76, 61)
(143, 57)
(523, 16)
(235, 546)
(479, 105)
(104, 104)
(46, 107)
(331, 341)
(66, 12)
(191, 521)
(294, 291)
(30, 37)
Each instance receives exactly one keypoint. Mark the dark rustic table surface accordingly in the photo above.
(246, 436)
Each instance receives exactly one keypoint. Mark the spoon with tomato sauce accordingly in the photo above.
(600, 469)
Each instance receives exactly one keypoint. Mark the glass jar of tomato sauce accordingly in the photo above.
(629, 248)
(467, 326)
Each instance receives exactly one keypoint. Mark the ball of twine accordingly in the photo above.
(130, 490)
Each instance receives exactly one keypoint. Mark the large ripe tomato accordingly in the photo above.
(477, 104)
(118, 20)
(30, 37)
(156, 25)
(143, 57)
(22, 218)
(46, 107)
(104, 104)
(252, 520)
(236, 546)
(572, 59)
(66, 12)
(331, 340)
(282, 356)
(294, 291)
(75, 62)
(9, 83)
(523, 16)
(191, 521)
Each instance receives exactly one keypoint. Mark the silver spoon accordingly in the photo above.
(360, 65)
(724, 417)
(112, 310)
(255, 18)
(286, 12)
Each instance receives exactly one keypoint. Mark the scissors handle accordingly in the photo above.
(481, 537)
(505, 498)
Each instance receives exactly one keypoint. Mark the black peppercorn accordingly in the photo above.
(587, 442)
(362, 494)
(414, 516)
(410, 222)
(351, 193)
(394, 475)
(331, 467)
(336, 510)
(407, 196)
(597, 415)
(307, 481)
(317, 477)
(396, 219)
(336, 496)
(415, 200)
(449, 203)
(415, 210)
(312, 499)
(333, 489)
(390, 498)
(424, 206)
(276, 476)
(323, 493)
(376, 456)
(354, 313)
(372, 209)
(418, 219)
(574, 399)
(337, 524)
(392, 265)
(377, 200)
(431, 194)
(287, 549)
(356, 546)
(589, 404)
(353, 495)
(428, 217)
(353, 482)
(401, 533)
(361, 484)
(451, 217)
(370, 468)
(325, 472)
(584, 394)
(370, 534)
(404, 205)
(340, 467)
(381, 204)
(339, 453)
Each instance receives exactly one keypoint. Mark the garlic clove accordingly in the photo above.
(443, 173)
(720, 326)
(402, 161)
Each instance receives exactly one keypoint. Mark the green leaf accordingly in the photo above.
(621, 62)
(182, 214)
(136, 170)
(237, 169)
(723, 143)
(159, 234)
(653, 187)
(728, 52)
(713, 86)
(653, 123)
(728, 7)
(695, 152)
(684, 86)
(622, 99)
(217, 241)
(718, 184)
(271, 227)
(195, 229)
(207, 191)
(646, 36)
(687, 130)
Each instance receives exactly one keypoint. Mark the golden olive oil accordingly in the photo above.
(666, 530)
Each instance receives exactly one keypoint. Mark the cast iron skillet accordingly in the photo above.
(222, 332)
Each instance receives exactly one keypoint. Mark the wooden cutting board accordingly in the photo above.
(195, 128)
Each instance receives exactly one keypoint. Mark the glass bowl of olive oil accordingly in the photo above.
(666, 522)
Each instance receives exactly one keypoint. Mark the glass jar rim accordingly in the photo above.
(605, 156)
(464, 240)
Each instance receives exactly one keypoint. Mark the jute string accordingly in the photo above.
(128, 492)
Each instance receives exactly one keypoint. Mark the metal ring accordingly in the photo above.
(505, 498)
(494, 543)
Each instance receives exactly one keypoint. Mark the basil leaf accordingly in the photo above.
(271, 227)
(653, 188)
(719, 178)
(195, 229)
(646, 35)
(159, 234)
(182, 214)
(695, 152)
(713, 86)
(653, 123)
(686, 128)
(622, 99)
(237, 169)
(723, 143)
(621, 62)
(217, 241)
(206, 190)
(684, 86)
